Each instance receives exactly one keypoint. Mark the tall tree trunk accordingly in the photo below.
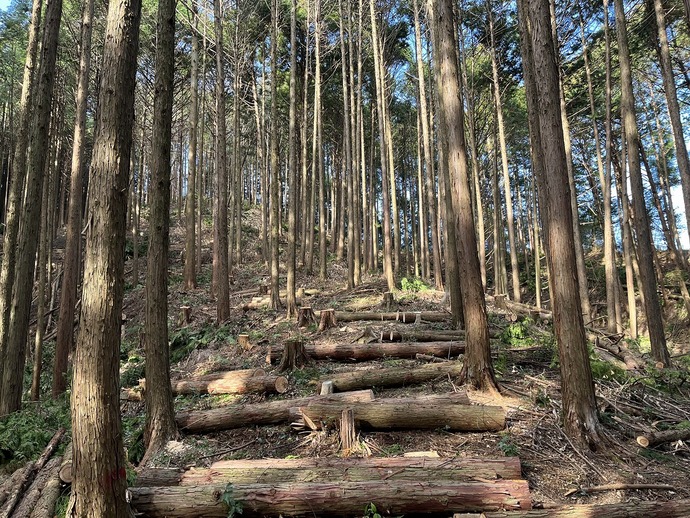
(28, 237)
(655, 322)
(541, 80)
(479, 369)
(275, 174)
(97, 449)
(220, 222)
(347, 154)
(17, 167)
(160, 414)
(70, 277)
(292, 166)
(510, 219)
(190, 208)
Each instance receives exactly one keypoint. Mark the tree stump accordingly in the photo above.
(327, 388)
(500, 301)
(263, 290)
(300, 293)
(185, 315)
(327, 320)
(305, 316)
(294, 355)
(388, 301)
(348, 433)
(243, 342)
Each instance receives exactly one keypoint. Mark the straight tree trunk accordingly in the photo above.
(70, 277)
(293, 168)
(541, 80)
(275, 174)
(220, 222)
(480, 372)
(28, 237)
(655, 322)
(190, 207)
(347, 152)
(160, 415)
(100, 475)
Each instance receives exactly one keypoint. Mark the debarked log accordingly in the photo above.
(238, 415)
(373, 351)
(332, 499)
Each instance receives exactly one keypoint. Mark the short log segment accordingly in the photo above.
(639, 509)
(158, 477)
(333, 499)
(654, 439)
(236, 416)
(233, 385)
(404, 317)
(348, 432)
(374, 351)
(408, 414)
(393, 377)
(278, 471)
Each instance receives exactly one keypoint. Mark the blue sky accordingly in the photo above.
(4, 4)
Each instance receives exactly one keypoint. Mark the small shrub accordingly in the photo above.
(414, 284)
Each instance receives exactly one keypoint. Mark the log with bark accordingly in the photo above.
(294, 355)
(404, 317)
(637, 509)
(406, 414)
(348, 431)
(11, 482)
(652, 439)
(158, 477)
(246, 381)
(373, 351)
(33, 494)
(238, 415)
(277, 471)
(427, 335)
(393, 377)
(327, 319)
(45, 506)
(305, 316)
(332, 499)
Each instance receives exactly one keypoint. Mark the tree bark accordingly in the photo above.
(275, 175)
(98, 454)
(291, 306)
(409, 317)
(190, 265)
(640, 509)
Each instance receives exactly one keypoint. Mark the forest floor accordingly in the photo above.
(525, 362)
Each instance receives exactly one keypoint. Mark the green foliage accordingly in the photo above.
(234, 507)
(133, 371)
(603, 370)
(508, 446)
(414, 285)
(517, 334)
(133, 437)
(393, 449)
(26, 433)
(142, 246)
(370, 511)
(185, 340)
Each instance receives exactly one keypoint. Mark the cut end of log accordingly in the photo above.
(282, 385)
(327, 387)
(643, 441)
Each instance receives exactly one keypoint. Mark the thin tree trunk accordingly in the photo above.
(275, 176)
(190, 208)
(292, 166)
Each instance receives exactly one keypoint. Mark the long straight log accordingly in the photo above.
(158, 477)
(249, 385)
(277, 471)
(404, 317)
(638, 509)
(427, 335)
(392, 377)
(408, 414)
(374, 351)
(33, 494)
(236, 416)
(45, 507)
(332, 499)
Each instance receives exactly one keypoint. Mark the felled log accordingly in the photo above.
(32, 495)
(10, 483)
(426, 336)
(158, 477)
(326, 319)
(333, 499)
(277, 471)
(407, 414)
(404, 317)
(45, 506)
(232, 385)
(65, 471)
(392, 377)
(29, 474)
(655, 438)
(373, 351)
(631, 361)
(637, 509)
(236, 416)
(502, 302)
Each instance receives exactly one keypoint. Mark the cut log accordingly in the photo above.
(45, 507)
(327, 319)
(65, 471)
(236, 416)
(276, 471)
(637, 509)
(29, 474)
(243, 342)
(631, 361)
(393, 377)
(426, 336)
(348, 432)
(408, 414)
(33, 494)
(404, 317)
(294, 355)
(305, 316)
(333, 499)
(233, 385)
(429, 358)
(158, 477)
(654, 439)
(8, 486)
(374, 351)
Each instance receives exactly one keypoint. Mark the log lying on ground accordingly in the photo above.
(233, 385)
(392, 377)
(407, 414)
(278, 471)
(631, 361)
(45, 506)
(654, 439)
(10, 483)
(374, 351)
(33, 494)
(637, 509)
(158, 477)
(520, 309)
(404, 317)
(427, 335)
(236, 416)
(333, 499)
